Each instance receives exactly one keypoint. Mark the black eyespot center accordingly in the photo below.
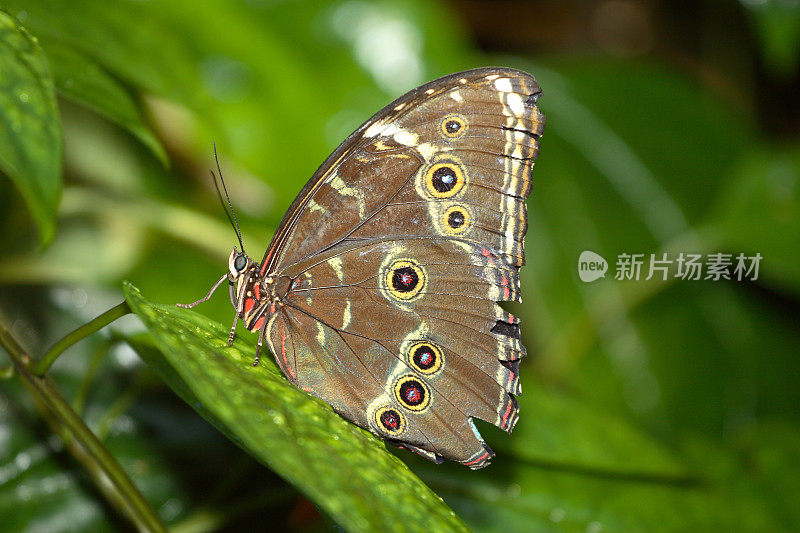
(452, 126)
(424, 357)
(412, 392)
(239, 263)
(444, 179)
(390, 419)
(456, 219)
(405, 279)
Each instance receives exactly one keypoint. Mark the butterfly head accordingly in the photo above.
(243, 279)
(238, 264)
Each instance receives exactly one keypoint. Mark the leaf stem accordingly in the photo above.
(40, 367)
(111, 477)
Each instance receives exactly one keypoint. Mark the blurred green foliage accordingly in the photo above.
(647, 405)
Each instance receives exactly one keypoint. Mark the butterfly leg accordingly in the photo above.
(260, 343)
(207, 296)
(233, 330)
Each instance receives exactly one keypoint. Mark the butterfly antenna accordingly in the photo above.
(229, 208)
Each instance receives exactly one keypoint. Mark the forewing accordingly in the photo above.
(478, 129)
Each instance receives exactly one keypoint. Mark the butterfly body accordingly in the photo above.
(379, 290)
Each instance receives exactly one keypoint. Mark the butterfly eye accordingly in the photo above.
(239, 263)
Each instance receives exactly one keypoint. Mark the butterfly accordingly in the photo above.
(379, 290)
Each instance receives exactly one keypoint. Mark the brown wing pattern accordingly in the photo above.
(373, 186)
(399, 249)
(358, 332)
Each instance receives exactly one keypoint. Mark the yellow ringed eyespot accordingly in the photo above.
(444, 179)
(455, 219)
(391, 421)
(425, 357)
(412, 393)
(453, 126)
(404, 279)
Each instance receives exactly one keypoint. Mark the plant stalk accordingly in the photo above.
(111, 476)
(40, 367)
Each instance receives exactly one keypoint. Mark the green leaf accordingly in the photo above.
(760, 212)
(340, 467)
(302, 70)
(536, 499)
(81, 79)
(42, 487)
(772, 454)
(747, 485)
(563, 433)
(244, 87)
(30, 131)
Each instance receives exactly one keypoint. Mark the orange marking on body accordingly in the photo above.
(479, 459)
(257, 288)
(283, 351)
(248, 305)
(258, 324)
(504, 283)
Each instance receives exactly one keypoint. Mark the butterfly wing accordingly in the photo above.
(399, 249)
(366, 187)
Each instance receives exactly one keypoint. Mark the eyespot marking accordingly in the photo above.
(404, 280)
(456, 219)
(412, 393)
(391, 421)
(444, 178)
(425, 357)
(453, 126)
